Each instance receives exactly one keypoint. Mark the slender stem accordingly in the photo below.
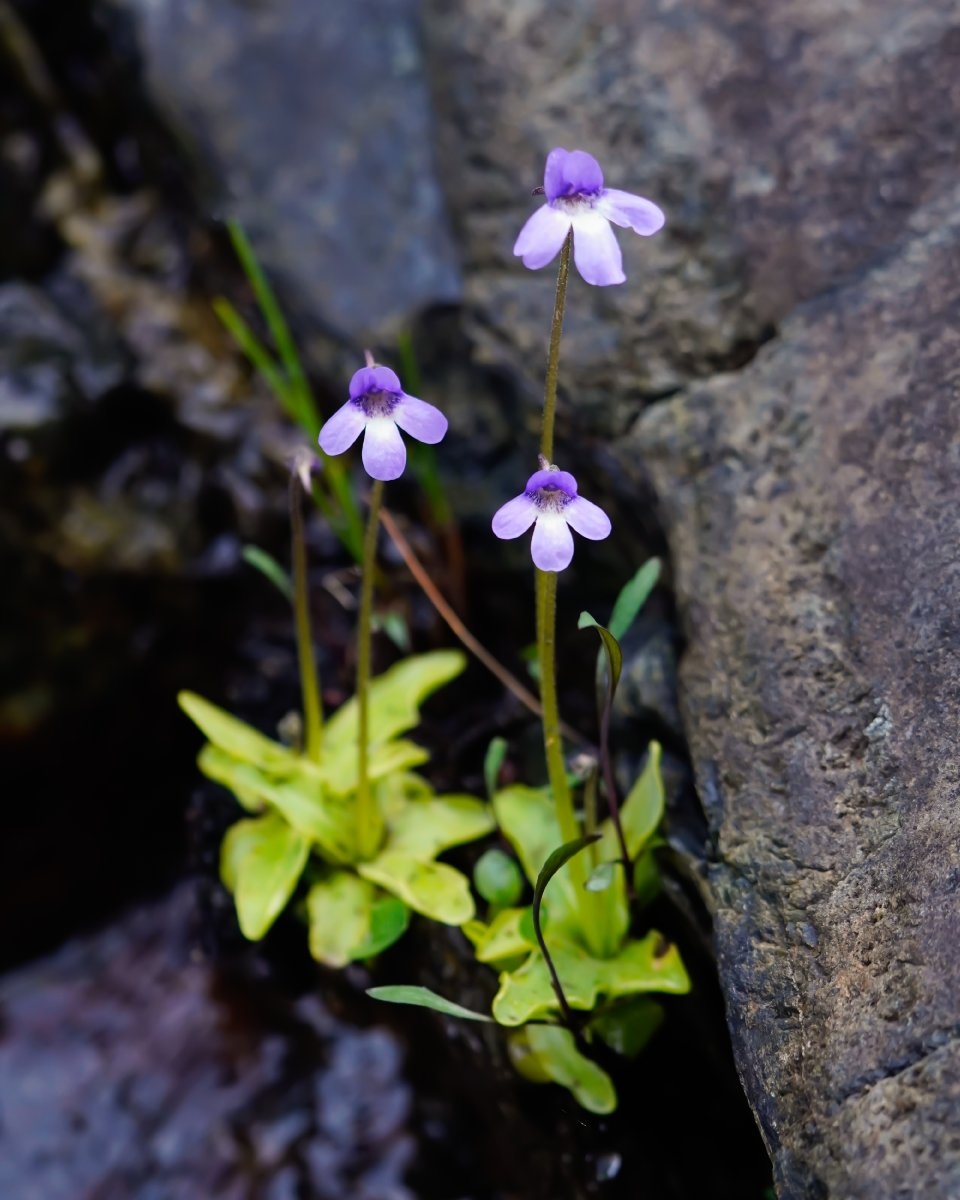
(591, 919)
(552, 743)
(369, 822)
(558, 991)
(553, 357)
(309, 676)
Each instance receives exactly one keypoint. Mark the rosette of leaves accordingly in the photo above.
(606, 974)
(302, 827)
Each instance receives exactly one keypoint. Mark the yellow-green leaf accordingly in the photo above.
(339, 911)
(234, 736)
(261, 861)
(340, 767)
(395, 699)
(474, 931)
(433, 889)
(527, 992)
(506, 937)
(425, 828)
(641, 812)
(649, 965)
(557, 1053)
(529, 823)
(301, 796)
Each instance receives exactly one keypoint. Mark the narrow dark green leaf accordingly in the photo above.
(298, 388)
(633, 596)
(256, 352)
(421, 997)
(267, 565)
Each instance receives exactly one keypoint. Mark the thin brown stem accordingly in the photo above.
(460, 631)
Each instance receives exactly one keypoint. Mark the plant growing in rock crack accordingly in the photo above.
(572, 973)
(346, 810)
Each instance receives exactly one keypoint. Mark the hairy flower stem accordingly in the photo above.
(369, 822)
(546, 593)
(553, 357)
(306, 660)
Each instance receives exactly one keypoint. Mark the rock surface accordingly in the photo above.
(128, 1067)
(310, 124)
(813, 506)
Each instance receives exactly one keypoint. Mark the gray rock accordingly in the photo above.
(787, 145)
(310, 124)
(128, 1067)
(812, 506)
(54, 363)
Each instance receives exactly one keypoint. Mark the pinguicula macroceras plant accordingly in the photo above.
(344, 811)
(572, 970)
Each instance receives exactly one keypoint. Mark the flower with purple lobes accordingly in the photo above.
(377, 406)
(551, 504)
(577, 200)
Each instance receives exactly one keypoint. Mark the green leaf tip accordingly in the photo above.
(633, 596)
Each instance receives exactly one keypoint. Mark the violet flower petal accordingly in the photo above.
(515, 517)
(373, 379)
(630, 211)
(384, 454)
(553, 179)
(582, 174)
(595, 250)
(552, 544)
(541, 237)
(341, 430)
(587, 518)
(420, 419)
(571, 173)
(552, 478)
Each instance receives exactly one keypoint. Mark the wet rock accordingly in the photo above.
(811, 506)
(311, 126)
(129, 1068)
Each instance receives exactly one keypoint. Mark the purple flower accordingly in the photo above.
(577, 200)
(377, 405)
(550, 503)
